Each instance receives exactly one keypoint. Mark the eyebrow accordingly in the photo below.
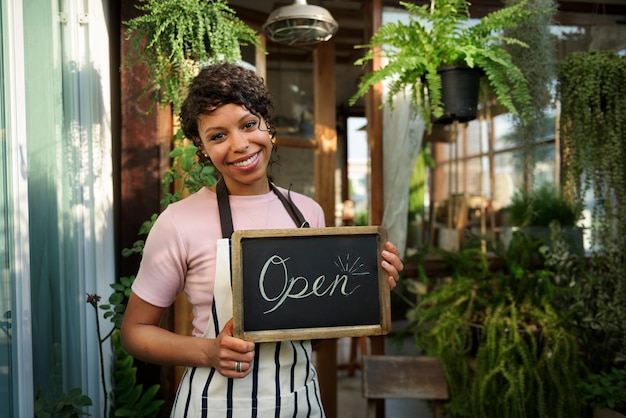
(241, 119)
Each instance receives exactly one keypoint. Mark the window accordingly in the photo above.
(485, 161)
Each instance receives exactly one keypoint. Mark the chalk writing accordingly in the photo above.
(298, 287)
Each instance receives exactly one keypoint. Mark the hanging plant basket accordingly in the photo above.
(438, 35)
(174, 38)
(460, 86)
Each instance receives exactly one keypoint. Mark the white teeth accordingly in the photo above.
(245, 162)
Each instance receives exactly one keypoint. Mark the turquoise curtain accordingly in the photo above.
(70, 191)
(53, 272)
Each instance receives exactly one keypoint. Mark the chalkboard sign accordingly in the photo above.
(309, 283)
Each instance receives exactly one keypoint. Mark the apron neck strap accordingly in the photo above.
(226, 219)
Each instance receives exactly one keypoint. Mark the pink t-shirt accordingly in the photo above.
(180, 250)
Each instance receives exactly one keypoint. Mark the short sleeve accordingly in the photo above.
(161, 275)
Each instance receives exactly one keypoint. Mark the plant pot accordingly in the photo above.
(606, 413)
(441, 133)
(573, 236)
(459, 93)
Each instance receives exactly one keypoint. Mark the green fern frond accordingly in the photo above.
(175, 37)
(439, 34)
(129, 397)
(526, 363)
(500, 19)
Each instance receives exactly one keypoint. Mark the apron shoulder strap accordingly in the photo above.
(226, 219)
(291, 207)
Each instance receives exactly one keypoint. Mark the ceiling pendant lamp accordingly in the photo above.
(300, 24)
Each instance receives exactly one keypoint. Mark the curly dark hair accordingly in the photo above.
(220, 84)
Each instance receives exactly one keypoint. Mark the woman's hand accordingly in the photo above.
(392, 263)
(232, 357)
(144, 339)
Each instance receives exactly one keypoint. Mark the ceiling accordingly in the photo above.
(353, 22)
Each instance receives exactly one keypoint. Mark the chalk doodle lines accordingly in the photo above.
(351, 267)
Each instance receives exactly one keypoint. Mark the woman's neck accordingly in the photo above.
(259, 187)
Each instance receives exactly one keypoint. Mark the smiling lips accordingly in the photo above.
(247, 162)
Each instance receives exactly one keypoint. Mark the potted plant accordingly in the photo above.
(438, 36)
(174, 37)
(505, 341)
(534, 210)
(542, 205)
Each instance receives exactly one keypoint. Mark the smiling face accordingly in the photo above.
(239, 146)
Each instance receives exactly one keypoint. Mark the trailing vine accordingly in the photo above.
(592, 91)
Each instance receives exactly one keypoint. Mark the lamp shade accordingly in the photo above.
(300, 24)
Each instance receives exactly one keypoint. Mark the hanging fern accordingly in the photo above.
(440, 34)
(174, 37)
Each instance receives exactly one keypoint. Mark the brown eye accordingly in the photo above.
(217, 137)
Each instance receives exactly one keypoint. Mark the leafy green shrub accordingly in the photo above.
(507, 345)
(68, 405)
(605, 389)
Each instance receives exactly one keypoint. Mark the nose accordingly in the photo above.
(239, 142)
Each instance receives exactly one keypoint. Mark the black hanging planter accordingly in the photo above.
(459, 93)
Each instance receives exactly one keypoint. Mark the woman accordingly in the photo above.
(227, 115)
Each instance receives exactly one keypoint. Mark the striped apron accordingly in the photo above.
(283, 382)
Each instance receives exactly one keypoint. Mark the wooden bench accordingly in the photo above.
(405, 377)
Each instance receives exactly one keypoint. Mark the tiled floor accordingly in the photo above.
(352, 404)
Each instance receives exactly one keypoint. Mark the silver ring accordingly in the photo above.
(238, 367)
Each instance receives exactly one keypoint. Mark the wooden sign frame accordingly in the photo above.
(357, 246)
